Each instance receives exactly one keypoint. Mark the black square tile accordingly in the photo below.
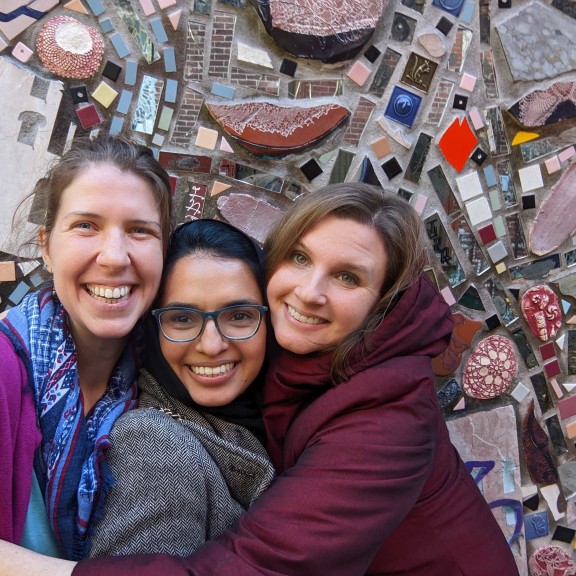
(288, 67)
(406, 194)
(532, 503)
(392, 168)
(79, 94)
(564, 534)
(444, 25)
(479, 156)
(493, 322)
(528, 202)
(515, 292)
(111, 71)
(372, 54)
(504, 3)
(460, 102)
(311, 169)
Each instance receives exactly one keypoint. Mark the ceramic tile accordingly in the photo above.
(500, 268)
(166, 4)
(478, 211)
(124, 102)
(504, 4)
(22, 52)
(460, 102)
(79, 94)
(476, 118)
(206, 138)
(490, 176)
(457, 143)
(111, 70)
(479, 156)
(444, 25)
(547, 351)
(169, 59)
(158, 29)
(467, 13)
(469, 186)
(88, 116)
(497, 252)
(7, 271)
(471, 299)
(402, 28)
(372, 54)
(96, 7)
(119, 45)
(487, 234)
(381, 147)
(520, 392)
(530, 178)
(131, 73)
(223, 91)
(467, 82)
(359, 73)
(341, 166)
(444, 250)
(448, 297)
(158, 140)
(392, 168)
(403, 106)
(406, 194)
(288, 67)
(528, 202)
(521, 137)
(469, 245)
(218, 188)
(106, 25)
(195, 200)
(165, 118)
(492, 322)
(116, 125)
(432, 43)
(443, 190)
(76, 6)
(171, 90)
(397, 134)
(552, 368)
(311, 169)
(451, 6)
(252, 55)
(384, 72)
(420, 203)
(566, 154)
(104, 94)
(147, 7)
(419, 72)
(418, 158)
(174, 18)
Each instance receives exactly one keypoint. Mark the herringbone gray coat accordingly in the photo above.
(182, 477)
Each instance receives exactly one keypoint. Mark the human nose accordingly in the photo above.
(311, 289)
(113, 251)
(210, 341)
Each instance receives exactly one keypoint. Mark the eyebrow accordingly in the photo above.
(343, 264)
(99, 216)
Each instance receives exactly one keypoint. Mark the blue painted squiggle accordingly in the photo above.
(22, 11)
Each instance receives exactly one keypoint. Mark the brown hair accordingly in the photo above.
(103, 149)
(397, 224)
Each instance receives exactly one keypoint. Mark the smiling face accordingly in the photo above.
(327, 285)
(213, 370)
(105, 253)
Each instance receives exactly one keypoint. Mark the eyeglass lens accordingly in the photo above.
(237, 322)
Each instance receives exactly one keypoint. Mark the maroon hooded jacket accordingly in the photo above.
(369, 482)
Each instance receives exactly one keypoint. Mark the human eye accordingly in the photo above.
(83, 226)
(349, 279)
(298, 258)
(181, 319)
(240, 316)
(141, 230)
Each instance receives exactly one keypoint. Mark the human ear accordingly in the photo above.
(43, 243)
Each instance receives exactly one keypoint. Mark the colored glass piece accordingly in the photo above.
(457, 143)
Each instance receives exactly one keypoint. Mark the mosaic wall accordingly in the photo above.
(464, 108)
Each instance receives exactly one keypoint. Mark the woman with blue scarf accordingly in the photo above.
(70, 352)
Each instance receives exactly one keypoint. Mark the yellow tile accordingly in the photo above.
(104, 94)
(522, 137)
(500, 268)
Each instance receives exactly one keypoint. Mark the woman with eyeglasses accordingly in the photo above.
(190, 459)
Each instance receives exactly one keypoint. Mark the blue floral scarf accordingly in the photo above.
(70, 465)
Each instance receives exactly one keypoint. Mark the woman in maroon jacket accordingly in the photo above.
(369, 482)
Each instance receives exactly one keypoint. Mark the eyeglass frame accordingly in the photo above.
(205, 316)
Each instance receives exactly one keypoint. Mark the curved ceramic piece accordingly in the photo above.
(541, 107)
(69, 48)
(327, 30)
(541, 310)
(556, 219)
(270, 130)
(551, 560)
(490, 368)
(536, 452)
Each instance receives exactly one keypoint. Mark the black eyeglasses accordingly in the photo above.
(184, 324)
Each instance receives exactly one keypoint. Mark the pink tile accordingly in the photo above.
(148, 7)
(556, 387)
(359, 73)
(468, 82)
(567, 407)
(22, 52)
(420, 203)
(166, 3)
(552, 164)
(448, 296)
(476, 118)
(566, 154)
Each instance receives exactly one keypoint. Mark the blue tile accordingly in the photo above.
(490, 175)
(106, 25)
(467, 13)
(403, 106)
(536, 525)
(169, 59)
(159, 31)
(451, 6)
(96, 7)
(223, 91)
(116, 125)
(19, 292)
(124, 102)
(119, 45)
(131, 73)
(171, 90)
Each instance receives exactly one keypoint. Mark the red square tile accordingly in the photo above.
(547, 350)
(487, 234)
(552, 368)
(88, 116)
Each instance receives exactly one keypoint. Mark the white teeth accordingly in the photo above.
(212, 370)
(108, 293)
(303, 319)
